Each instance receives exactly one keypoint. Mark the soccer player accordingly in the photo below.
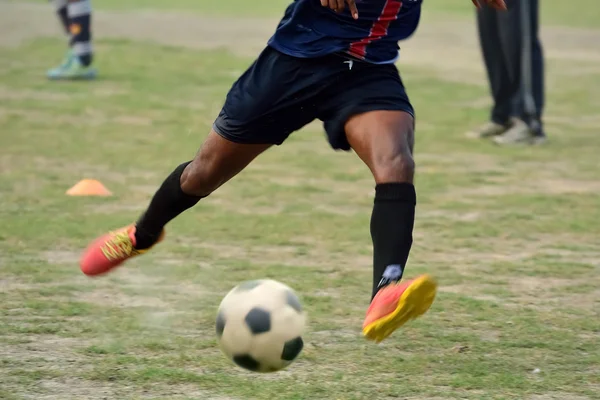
(75, 17)
(332, 60)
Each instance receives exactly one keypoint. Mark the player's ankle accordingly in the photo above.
(144, 239)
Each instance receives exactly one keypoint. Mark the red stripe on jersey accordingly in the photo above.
(379, 29)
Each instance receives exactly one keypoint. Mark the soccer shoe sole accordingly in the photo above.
(85, 76)
(414, 302)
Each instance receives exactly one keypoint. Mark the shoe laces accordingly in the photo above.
(119, 246)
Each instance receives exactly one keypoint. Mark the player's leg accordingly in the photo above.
(384, 140)
(217, 161)
(272, 99)
(78, 66)
(370, 113)
(80, 19)
(61, 11)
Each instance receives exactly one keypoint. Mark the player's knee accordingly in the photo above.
(393, 160)
(384, 141)
(394, 166)
(200, 178)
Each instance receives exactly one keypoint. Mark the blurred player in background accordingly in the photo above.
(75, 16)
(515, 67)
(334, 63)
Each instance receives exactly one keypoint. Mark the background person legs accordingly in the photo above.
(524, 55)
(75, 16)
(503, 79)
(513, 58)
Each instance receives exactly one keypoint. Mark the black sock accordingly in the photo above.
(80, 18)
(168, 202)
(392, 224)
(61, 11)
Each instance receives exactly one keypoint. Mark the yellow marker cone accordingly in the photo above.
(89, 187)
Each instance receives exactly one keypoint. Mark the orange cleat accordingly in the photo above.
(111, 250)
(396, 304)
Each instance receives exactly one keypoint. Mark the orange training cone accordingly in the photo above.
(89, 187)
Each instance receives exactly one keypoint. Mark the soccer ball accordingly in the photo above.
(260, 324)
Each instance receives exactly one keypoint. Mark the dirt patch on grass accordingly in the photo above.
(113, 298)
(72, 388)
(473, 291)
(536, 290)
(281, 255)
(565, 186)
(557, 396)
(451, 215)
(23, 94)
(91, 118)
(77, 389)
(50, 353)
(67, 167)
(507, 186)
(231, 204)
(581, 122)
(111, 208)
(61, 257)
(460, 162)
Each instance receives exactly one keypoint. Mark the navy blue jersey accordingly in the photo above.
(310, 30)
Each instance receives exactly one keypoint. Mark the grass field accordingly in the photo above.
(511, 234)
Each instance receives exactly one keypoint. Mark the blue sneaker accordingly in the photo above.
(72, 69)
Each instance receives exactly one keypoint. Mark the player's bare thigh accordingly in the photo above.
(384, 140)
(217, 161)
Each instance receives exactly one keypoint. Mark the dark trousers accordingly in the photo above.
(514, 61)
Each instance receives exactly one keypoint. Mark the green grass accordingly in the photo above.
(512, 235)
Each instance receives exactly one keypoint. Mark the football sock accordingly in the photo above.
(80, 15)
(168, 202)
(392, 224)
(61, 11)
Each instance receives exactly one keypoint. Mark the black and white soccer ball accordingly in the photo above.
(260, 325)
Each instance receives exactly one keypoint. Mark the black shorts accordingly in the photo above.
(279, 94)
